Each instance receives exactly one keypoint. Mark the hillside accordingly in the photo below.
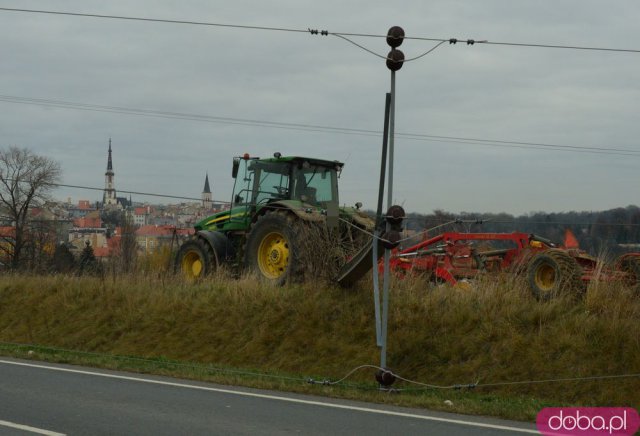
(494, 335)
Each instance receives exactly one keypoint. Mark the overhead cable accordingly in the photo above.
(317, 32)
(315, 128)
(385, 57)
(148, 194)
(155, 20)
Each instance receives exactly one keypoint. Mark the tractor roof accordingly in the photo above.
(311, 160)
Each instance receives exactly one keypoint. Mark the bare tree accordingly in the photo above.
(25, 181)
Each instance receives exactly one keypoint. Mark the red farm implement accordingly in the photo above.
(550, 269)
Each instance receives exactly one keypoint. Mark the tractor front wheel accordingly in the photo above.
(273, 248)
(552, 273)
(195, 259)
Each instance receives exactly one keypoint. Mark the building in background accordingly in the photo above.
(206, 194)
(109, 197)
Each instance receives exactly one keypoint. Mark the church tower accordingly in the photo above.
(206, 193)
(109, 196)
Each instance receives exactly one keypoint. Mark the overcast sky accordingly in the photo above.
(574, 98)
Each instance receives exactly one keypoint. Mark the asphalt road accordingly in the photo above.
(50, 399)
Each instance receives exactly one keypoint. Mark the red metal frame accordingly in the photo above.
(450, 257)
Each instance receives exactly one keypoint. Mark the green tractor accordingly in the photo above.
(276, 204)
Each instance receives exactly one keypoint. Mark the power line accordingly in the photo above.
(385, 57)
(554, 223)
(90, 188)
(515, 44)
(524, 222)
(557, 380)
(156, 20)
(326, 381)
(468, 41)
(163, 362)
(148, 194)
(322, 32)
(314, 127)
(476, 221)
(473, 385)
(62, 185)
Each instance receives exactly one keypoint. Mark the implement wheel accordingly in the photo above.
(273, 248)
(195, 259)
(631, 266)
(552, 273)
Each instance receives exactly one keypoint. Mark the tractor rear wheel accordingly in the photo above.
(631, 266)
(195, 259)
(553, 272)
(273, 248)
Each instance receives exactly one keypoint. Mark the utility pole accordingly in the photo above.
(395, 214)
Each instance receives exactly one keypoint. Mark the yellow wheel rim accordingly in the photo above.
(545, 277)
(192, 265)
(273, 255)
(463, 285)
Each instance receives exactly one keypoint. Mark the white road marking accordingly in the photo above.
(278, 398)
(29, 428)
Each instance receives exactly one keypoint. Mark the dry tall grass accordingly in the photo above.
(493, 333)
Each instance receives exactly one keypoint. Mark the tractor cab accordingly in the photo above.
(259, 182)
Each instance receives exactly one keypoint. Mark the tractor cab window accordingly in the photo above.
(316, 185)
(271, 181)
(243, 183)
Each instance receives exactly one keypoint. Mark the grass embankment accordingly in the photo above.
(493, 333)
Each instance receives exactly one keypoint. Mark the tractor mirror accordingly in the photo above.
(236, 165)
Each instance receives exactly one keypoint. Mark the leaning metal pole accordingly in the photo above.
(379, 220)
(387, 251)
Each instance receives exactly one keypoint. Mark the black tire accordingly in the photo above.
(274, 248)
(552, 273)
(631, 266)
(195, 259)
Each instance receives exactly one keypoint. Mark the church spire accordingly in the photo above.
(109, 195)
(109, 163)
(206, 190)
(206, 194)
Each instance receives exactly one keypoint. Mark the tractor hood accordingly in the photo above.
(218, 220)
